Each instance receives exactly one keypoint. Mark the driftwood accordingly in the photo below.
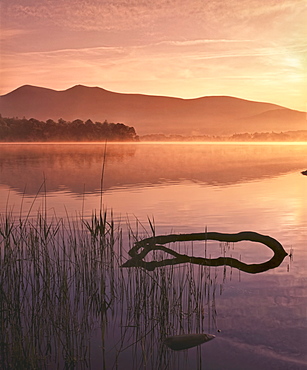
(155, 243)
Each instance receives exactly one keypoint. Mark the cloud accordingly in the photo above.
(89, 15)
(173, 47)
(162, 20)
(258, 8)
(7, 34)
(200, 42)
(109, 52)
(191, 49)
(131, 14)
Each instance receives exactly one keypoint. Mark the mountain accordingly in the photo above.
(210, 115)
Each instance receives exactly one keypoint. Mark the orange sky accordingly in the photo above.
(252, 49)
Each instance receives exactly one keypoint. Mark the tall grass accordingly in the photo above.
(66, 303)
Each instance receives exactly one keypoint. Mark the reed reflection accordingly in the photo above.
(65, 302)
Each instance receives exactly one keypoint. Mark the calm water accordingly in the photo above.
(260, 320)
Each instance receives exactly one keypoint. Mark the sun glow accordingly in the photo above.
(152, 48)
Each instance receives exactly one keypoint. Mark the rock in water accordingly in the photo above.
(304, 172)
(185, 341)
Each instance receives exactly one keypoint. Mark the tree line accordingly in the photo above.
(287, 136)
(15, 129)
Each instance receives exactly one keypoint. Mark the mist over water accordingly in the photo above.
(189, 188)
(184, 186)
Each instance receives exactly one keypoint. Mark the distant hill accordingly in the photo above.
(211, 115)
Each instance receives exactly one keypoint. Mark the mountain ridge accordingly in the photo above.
(211, 115)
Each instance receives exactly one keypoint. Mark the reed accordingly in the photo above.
(66, 303)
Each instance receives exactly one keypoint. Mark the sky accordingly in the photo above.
(252, 49)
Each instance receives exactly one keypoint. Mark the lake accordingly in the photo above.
(259, 319)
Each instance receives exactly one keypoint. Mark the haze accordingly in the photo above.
(249, 49)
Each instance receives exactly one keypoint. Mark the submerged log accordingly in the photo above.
(185, 341)
(143, 247)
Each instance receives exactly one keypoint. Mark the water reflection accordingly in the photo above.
(130, 312)
(77, 167)
(156, 243)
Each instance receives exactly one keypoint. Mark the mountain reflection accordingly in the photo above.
(77, 167)
(156, 243)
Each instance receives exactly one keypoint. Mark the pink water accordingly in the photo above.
(186, 188)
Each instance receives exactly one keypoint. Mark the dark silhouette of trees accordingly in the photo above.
(28, 130)
(15, 129)
(240, 137)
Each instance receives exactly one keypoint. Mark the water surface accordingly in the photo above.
(260, 320)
